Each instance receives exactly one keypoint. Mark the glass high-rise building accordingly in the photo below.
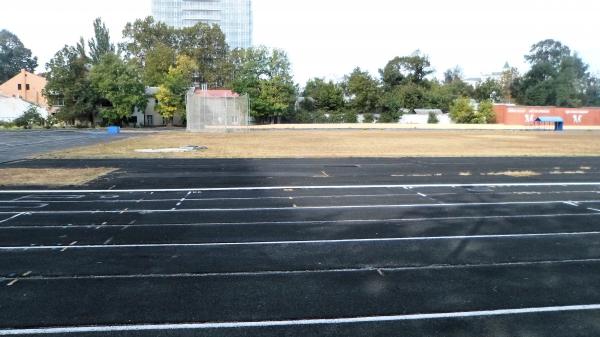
(233, 16)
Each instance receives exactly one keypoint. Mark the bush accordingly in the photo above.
(31, 117)
(462, 111)
(390, 117)
(368, 118)
(433, 118)
(7, 125)
(486, 112)
(50, 122)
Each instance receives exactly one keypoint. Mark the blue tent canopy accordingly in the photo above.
(549, 120)
(558, 122)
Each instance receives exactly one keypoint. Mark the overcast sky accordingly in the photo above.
(328, 38)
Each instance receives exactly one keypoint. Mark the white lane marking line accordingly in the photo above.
(297, 322)
(333, 187)
(422, 195)
(338, 196)
(594, 209)
(299, 272)
(307, 242)
(12, 217)
(22, 197)
(325, 174)
(23, 205)
(571, 203)
(260, 209)
(11, 283)
(321, 222)
(183, 199)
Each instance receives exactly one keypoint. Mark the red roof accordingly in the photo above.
(216, 93)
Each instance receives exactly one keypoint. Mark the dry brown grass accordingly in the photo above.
(350, 143)
(50, 176)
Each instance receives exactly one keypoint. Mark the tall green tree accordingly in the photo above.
(206, 45)
(147, 43)
(100, 45)
(120, 83)
(407, 69)
(143, 35)
(557, 77)
(265, 75)
(171, 94)
(69, 87)
(509, 76)
(14, 56)
(158, 61)
(326, 95)
(453, 74)
(488, 89)
(363, 91)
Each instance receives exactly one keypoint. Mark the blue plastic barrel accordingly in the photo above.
(113, 130)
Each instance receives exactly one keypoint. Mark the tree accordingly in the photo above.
(157, 64)
(328, 96)
(509, 76)
(171, 94)
(488, 89)
(121, 85)
(69, 87)
(265, 75)
(413, 68)
(548, 51)
(147, 41)
(206, 45)
(452, 75)
(363, 91)
(100, 45)
(14, 56)
(143, 35)
(557, 77)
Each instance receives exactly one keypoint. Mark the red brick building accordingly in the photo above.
(526, 115)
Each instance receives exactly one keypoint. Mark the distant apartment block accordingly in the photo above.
(233, 16)
(26, 86)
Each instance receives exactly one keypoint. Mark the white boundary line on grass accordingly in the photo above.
(334, 187)
(298, 322)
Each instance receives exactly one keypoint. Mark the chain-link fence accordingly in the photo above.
(205, 113)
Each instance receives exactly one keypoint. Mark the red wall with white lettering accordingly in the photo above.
(526, 115)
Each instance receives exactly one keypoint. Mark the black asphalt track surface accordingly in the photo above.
(345, 247)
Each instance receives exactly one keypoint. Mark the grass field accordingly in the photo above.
(50, 176)
(349, 143)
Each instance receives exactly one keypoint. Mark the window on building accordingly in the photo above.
(19, 87)
(27, 87)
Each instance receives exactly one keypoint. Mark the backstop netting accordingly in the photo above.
(217, 113)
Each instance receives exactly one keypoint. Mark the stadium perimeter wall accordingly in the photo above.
(526, 115)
